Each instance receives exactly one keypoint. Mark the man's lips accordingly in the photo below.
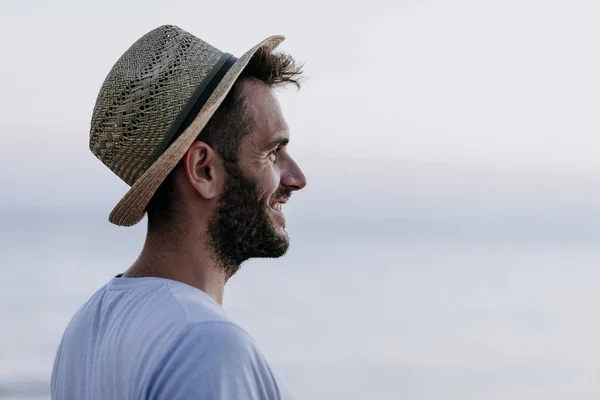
(278, 205)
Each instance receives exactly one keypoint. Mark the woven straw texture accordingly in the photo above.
(143, 95)
(142, 98)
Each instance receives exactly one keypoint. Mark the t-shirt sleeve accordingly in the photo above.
(214, 360)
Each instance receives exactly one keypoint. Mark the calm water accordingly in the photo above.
(352, 312)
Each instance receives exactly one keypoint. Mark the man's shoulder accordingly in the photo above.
(135, 302)
(217, 359)
(207, 327)
(221, 337)
(195, 305)
(157, 309)
(205, 354)
(181, 316)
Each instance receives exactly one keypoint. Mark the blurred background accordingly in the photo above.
(446, 246)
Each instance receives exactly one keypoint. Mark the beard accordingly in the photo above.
(241, 227)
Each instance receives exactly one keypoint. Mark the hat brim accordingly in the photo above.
(132, 207)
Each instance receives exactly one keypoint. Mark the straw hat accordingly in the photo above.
(153, 104)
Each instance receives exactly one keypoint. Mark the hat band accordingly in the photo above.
(196, 102)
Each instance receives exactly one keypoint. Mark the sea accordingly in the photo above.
(360, 308)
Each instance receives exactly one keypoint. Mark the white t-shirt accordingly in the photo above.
(158, 339)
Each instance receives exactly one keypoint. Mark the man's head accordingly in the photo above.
(235, 178)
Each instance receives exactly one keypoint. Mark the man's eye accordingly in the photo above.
(274, 152)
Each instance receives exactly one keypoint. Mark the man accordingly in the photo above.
(199, 136)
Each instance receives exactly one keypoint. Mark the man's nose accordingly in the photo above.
(293, 177)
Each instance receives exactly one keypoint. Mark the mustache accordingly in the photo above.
(282, 194)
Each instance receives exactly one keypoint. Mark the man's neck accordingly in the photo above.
(184, 259)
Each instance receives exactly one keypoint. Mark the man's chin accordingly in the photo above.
(278, 245)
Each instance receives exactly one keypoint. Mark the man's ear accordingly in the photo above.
(203, 170)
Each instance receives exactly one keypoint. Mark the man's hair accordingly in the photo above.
(229, 124)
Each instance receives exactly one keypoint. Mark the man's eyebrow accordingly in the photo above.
(280, 141)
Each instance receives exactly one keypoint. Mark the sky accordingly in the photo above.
(406, 97)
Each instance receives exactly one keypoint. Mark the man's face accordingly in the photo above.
(249, 221)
